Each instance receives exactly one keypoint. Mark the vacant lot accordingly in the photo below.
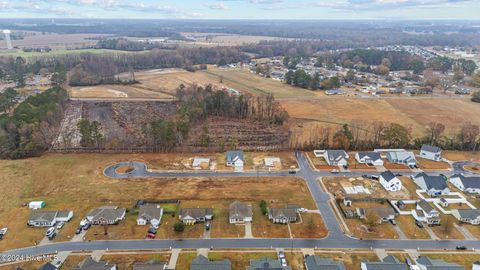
(117, 91)
(457, 155)
(71, 181)
(350, 260)
(426, 164)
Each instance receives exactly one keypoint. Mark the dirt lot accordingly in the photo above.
(407, 225)
(335, 185)
(70, 181)
(319, 163)
(459, 156)
(426, 164)
(117, 91)
(380, 231)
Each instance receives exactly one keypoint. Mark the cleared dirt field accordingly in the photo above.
(224, 39)
(71, 181)
(117, 91)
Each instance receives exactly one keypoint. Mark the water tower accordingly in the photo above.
(7, 33)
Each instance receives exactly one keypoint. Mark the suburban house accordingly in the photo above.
(390, 182)
(425, 263)
(471, 216)
(150, 214)
(433, 185)
(150, 266)
(431, 152)
(191, 216)
(203, 263)
(388, 263)
(282, 215)
(336, 157)
(384, 214)
(46, 266)
(106, 214)
(424, 212)
(39, 218)
(240, 213)
(370, 158)
(264, 264)
(235, 159)
(469, 184)
(317, 263)
(402, 157)
(90, 264)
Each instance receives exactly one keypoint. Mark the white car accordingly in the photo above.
(302, 210)
(60, 225)
(50, 231)
(284, 262)
(3, 230)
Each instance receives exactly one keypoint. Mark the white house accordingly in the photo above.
(40, 218)
(235, 159)
(471, 216)
(150, 214)
(336, 157)
(240, 213)
(402, 157)
(370, 158)
(390, 182)
(431, 152)
(425, 263)
(469, 184)
(433, 185)
(424, 212)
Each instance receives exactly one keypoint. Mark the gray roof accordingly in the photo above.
(149, 266)
(430, 148)
(231, 155)
(48, 266)
(266, 264)
(468, 213)
(203, 263)
(426, 207)
(240, 210)
(336, 154)
(317, 263)
(371, 155)
(436, 182)
(42, 216)
(388, 176)
(90, 264)
(106, 213)
(468, 181)
(437, 264)
(278, 213)
(388, 263)
(150, 211)
(196, 212)
(381, 212)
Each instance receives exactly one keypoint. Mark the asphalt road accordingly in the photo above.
(335, 239)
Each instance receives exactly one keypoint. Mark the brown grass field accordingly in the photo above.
(117, 91)
(350, 260)
(71, 181)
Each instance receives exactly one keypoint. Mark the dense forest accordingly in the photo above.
(32, 126)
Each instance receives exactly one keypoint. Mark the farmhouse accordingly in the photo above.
(471, 216)
(108, 214)
(150, 214)
(370, 158)
(240, 213)
(387, 263)
(90, 264)
(425, 263)
(235, 159)
(317, 263)
(265, 264)
(203, 263)
(390, 182)
(402, 157)
(469, 184)
(282, 215)
(336, 157)
(424, 212)
(191, 216)
(431, 152)
(433, 185)
(48, 218)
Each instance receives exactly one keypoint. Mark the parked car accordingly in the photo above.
(207, 226)
(60, 225)
(79, 230)
(50, 231)
(87, 226)
(365, 176)
(419, 224)
(335, 171)
(461, 247)
(152, 230)
(284, 262)
(150, 235)
(292, 171)
(302, 210)
(50, 237)
(281, 254)
(398, 174)
(1, 236)
(375, 177)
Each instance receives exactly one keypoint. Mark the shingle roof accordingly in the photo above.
(317, 263)
(426, 207)
(388, 263)
(42, 216)
(430, 148)
(336, 154)
(202, 263)
(468, 181)
(48, 266)
(106, 213)
(436, 182)
(371, 155)
(388, 176)
(149, 266)
(233, 155)
(90, 264)
(150, 211)
(278, 213)
(240, 210)
(196, 212)
(468, 213)
(437, 264)
(266, 264)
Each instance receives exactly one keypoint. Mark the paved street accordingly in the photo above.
(335, 239)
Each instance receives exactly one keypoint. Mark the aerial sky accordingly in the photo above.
(242, 9)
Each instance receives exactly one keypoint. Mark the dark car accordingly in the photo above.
(51, 236)
(461, 247)
(393, 222)
(398, 174)
(292, 172)
(419, 224)
(152, 230)
(207, 226)
(87, 226)
(79, 230)
(1, 236)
